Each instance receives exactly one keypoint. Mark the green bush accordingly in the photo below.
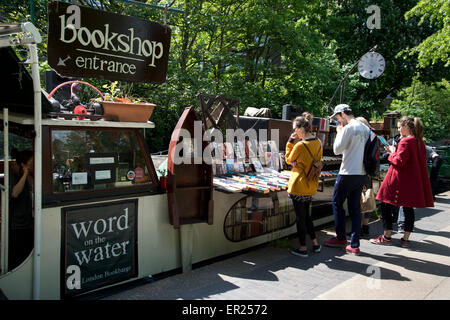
(428, 102)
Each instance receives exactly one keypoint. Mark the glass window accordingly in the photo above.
(96, 159)
(15, 142)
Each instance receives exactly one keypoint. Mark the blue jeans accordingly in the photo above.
(348, 187)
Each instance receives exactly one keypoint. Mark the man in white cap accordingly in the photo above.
(351, 137)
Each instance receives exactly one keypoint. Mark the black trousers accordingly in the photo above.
(21, 242)
(387, 212)
(304, 221)
(437, 163)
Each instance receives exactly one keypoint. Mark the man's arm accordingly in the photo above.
(341, 141)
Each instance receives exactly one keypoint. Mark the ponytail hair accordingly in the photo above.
(363, 120)
(418, 129)
(415, 126)
(308, 116)
(302, 122)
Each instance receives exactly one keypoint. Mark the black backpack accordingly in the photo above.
(372, 154)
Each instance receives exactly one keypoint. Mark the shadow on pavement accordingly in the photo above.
(444, 234)
(440, 199)
(331, 257)
(330, 264)
(415, 264)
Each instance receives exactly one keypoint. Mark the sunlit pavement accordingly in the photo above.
(272, 272)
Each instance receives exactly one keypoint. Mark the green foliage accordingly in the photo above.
(268, 53)
(345, 22)
(428, 102)
(17, 142)
(113, 91)
(436, 47)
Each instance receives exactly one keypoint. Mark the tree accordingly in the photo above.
(268, 53)
(346, 23)
(428, 102)
(436, 47)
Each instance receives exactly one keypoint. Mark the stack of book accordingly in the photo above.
(325, 174)
(330, 159)
(265, 182)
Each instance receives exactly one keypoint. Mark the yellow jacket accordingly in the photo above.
(298, 184)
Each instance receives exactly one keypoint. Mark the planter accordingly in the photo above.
(163, 181)
(127, 112)
(378, 125)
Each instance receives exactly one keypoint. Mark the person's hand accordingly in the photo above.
(390, 149)
(294, 135)
(294, 164)
(25, 169)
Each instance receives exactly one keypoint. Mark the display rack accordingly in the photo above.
(190, 187)
(256, 215)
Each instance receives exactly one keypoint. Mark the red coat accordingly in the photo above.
(406, 182)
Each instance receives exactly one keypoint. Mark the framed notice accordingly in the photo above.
(102, 167)
(98, 246)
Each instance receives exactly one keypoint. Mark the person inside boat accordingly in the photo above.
(21, 209)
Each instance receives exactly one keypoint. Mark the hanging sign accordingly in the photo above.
(86, 42)
(99, 246)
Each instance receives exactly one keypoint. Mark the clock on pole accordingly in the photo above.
(371, 65)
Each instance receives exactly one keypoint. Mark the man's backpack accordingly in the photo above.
(371, 158)
(316, 166)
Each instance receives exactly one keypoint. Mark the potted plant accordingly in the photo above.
(163, 179)
(118, 104)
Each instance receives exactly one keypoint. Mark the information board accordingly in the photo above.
(99, 246)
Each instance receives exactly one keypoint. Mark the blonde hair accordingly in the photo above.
(363, 120)
(415, 126)
(302, 122)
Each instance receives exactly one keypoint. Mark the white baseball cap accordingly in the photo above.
(340, 108)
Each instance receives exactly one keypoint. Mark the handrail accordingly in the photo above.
(4, 231)
(74, 81)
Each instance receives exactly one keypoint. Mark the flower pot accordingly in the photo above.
(127, 112)
(163, 181)
(377, 125)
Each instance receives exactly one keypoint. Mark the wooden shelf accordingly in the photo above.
(189, 196)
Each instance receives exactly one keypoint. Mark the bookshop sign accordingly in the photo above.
(99, 246)
(86, 42)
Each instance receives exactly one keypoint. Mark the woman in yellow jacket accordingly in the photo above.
(301, 190)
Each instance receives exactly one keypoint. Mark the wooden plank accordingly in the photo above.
(190, 185)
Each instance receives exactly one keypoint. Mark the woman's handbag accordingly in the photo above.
(368, 203)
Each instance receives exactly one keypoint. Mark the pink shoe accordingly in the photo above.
(335, 242)
(381, 240)
(355, 251)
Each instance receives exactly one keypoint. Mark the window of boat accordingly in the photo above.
(86, 159)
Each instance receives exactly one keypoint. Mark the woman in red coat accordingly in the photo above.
(406, 183)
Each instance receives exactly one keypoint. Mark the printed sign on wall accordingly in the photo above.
(99, 246)
(86, 42)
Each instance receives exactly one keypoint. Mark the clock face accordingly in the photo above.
(371, 65)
